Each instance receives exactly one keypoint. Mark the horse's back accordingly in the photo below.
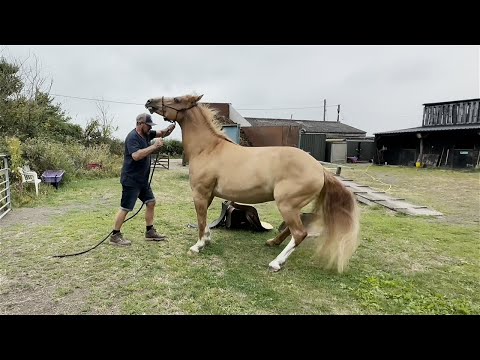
(256, 174)
(284, 157)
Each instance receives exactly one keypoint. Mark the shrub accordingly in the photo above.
(42, 154)
(13, 147)
(172, 147)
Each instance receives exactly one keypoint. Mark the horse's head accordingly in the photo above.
(172, 109)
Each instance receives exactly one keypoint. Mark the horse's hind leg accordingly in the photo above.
(204, 235)
(311, 222)
(279, 238)
(294, 223)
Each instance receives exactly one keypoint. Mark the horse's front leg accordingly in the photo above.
(202, 202)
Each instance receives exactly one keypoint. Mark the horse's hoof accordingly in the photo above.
(270, 242)
(274, 266)
(192, 252)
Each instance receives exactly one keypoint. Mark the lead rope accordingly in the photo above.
(83, 252)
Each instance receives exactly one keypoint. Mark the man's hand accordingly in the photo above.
(168, 130)
(158, 143)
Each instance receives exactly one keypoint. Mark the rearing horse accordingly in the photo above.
(287, 175)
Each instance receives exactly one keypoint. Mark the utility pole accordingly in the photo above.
(324, 108)
(338, 113)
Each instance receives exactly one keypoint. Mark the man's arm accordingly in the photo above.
(142, 153)
(165, 132)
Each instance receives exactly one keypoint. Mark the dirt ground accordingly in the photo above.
(176, 164)
(36, 216)
(42, 216)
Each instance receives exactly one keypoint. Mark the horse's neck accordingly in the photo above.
(197, 136)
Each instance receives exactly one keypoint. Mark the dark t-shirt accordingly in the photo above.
(135, 173)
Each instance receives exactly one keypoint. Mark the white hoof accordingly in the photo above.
(193, 251)
(274, 266)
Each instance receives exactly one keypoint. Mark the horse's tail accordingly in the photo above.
(339, 211)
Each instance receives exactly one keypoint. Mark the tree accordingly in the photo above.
(92, 134)
(10, 83)
(100, 129)
(172, 147)
(106, 123)
(26, 108)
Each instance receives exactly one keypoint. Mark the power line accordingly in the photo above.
(91, 99)
(292, 108)
(129, 103)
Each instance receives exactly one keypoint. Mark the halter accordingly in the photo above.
(170, 107)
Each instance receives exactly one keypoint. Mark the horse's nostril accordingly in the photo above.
(149, 101)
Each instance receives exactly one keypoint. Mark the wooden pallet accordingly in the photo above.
(368, 196)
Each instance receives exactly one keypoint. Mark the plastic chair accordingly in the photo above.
(29, 177)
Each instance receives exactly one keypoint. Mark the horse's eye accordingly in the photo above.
(176, 100)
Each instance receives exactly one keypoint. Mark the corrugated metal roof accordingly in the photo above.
(309, 125)
(430, 129)
(451, 102)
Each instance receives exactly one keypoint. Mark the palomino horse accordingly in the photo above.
(287, 175)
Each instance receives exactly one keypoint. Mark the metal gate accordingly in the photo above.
(5, 203)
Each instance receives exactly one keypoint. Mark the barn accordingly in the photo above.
(330, 141)
(449, 137)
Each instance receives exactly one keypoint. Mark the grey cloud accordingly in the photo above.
(379, 87)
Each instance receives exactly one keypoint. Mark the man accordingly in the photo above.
(135, 176)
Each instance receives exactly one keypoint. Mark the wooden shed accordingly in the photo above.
(309, 135)
(449, 137)
(313, 135)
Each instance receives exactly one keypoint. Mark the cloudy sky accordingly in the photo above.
(379, 88)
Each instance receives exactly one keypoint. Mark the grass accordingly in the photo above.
(454, 193)
(404, 265)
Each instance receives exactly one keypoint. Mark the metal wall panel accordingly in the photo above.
(314, 144)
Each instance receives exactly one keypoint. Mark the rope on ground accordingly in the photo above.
(377, 180)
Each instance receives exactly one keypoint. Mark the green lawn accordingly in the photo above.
(404, 265)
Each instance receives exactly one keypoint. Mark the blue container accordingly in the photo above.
(53, 177)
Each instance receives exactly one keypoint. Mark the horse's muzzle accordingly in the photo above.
(149, 107)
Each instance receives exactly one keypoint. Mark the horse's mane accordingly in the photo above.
(211, 118)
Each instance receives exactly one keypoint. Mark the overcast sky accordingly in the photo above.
(379, 88)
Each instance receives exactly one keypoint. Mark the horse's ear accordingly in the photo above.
(198, 98)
